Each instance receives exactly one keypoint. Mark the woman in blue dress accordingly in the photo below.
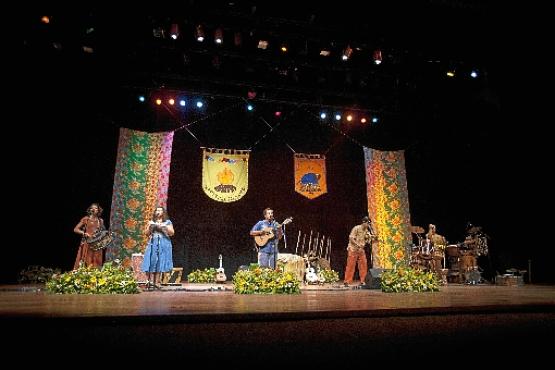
(158, 253)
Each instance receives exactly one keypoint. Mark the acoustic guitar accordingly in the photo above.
(268, 234)
(220, 275)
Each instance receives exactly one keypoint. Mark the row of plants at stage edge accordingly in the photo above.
(110, 279)
(208, 275)
(37, 274)
(265, 281)
(408, 279)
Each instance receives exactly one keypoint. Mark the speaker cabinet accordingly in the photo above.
(373, 279)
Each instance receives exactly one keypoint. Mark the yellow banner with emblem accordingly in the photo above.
(225, 173)
(310, 175)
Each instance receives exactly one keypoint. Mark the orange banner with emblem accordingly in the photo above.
(310, 175)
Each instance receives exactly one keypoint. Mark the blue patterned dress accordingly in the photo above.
(158, 253)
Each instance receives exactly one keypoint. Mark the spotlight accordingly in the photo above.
(174, 31)
(263, 44)
(218, 36)
(199, 33)
(377, 57)
(347, 53)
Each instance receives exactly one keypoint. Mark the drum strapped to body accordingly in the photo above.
(100, 240)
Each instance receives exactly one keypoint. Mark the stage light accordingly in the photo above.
(375, 119)
(45, 19)
(262, 44)
(200, 104)
(347, 53)
(251, 94)
(363, 120)
(250, 107)
(218, 36)
(323, 115)
(377, 57)
(182, 102)
(473, 74)
(350, 117)
(142, 98)
(174, 31)
(199, 33)
(277, 114)
(337, 117)
(283, 48)
(171, 101)
(325, 53)
(451, 73)
(158, 101)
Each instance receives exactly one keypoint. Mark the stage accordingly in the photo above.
(210, 321)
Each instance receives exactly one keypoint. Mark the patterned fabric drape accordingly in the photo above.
(388, 206)
(140, 184)
(225, 174)
(310, 175)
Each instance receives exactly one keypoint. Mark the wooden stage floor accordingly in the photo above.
(209, 301)
(460, 323)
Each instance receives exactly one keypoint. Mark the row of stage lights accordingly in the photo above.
(250, 107)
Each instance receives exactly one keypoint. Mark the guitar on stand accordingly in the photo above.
(268, 233)
(220, 275)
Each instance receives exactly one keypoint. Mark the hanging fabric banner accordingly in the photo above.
(388, 206)
(141, 182)
(225, 173)
(310, 175)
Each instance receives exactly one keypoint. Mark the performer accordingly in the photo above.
(437, 244)
(267, 233)
(356, 255)
(87, 227)
(158, 253)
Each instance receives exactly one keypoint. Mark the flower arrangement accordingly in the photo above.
(328, 276)
(265, 281)
(408, 279)
(37, 274)
(111, 279)
(208, 275)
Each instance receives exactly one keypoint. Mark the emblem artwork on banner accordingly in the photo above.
(225, 174)
(310, 175)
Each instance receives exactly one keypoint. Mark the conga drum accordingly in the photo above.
(292, 263)
(136, 264)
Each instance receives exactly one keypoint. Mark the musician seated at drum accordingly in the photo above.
(87, 227)
(267, 232)
(158, 254)
(356, 256)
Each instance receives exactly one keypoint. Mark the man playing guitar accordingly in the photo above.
(267, 234)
